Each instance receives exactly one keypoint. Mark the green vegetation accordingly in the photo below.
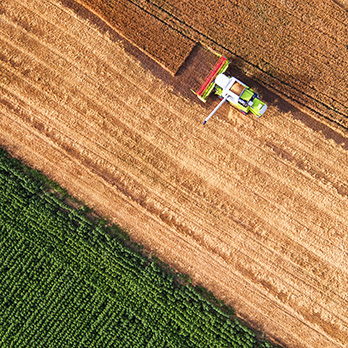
(70, 280)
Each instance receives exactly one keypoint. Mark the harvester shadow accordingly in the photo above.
(269, 97)
(284, 106)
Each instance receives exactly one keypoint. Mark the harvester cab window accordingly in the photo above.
(243, 102)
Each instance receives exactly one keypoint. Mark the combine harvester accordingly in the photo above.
(230, 89)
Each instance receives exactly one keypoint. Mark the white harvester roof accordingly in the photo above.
(231, 87)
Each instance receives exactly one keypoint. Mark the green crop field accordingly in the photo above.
(69, 280)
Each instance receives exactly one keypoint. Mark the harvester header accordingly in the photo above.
(209, 83)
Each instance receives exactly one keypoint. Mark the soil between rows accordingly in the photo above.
(255, 210)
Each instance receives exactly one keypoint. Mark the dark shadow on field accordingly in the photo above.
(272, 99)
(193, 72)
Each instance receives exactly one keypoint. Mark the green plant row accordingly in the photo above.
(70, 280)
